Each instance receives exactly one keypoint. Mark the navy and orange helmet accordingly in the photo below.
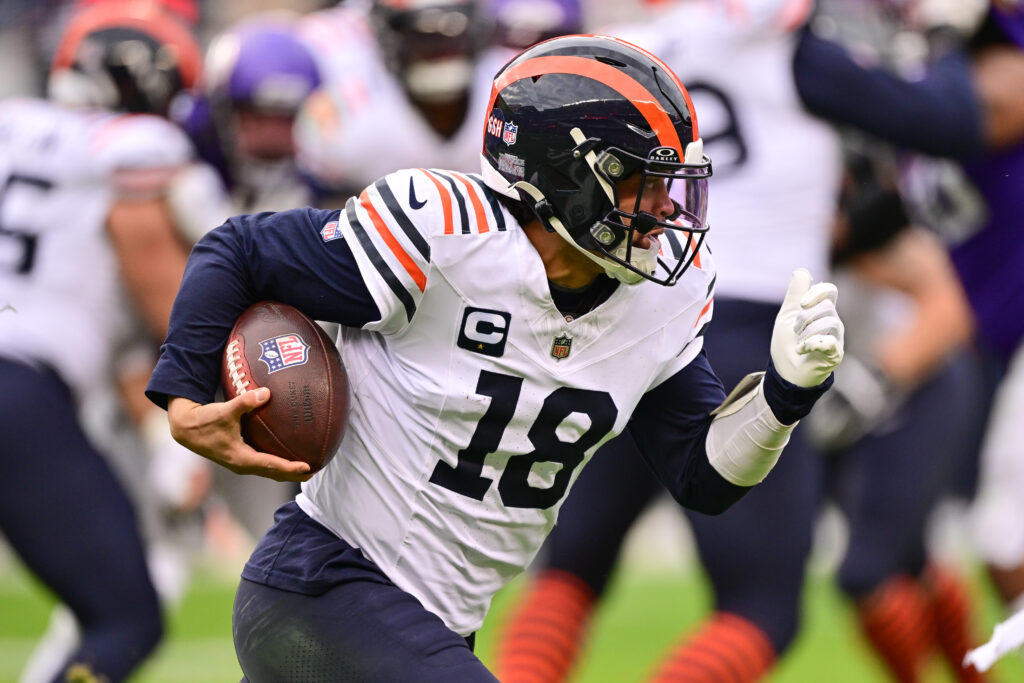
(125, 56)
(571, 117)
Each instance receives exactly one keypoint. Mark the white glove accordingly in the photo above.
(807, 342)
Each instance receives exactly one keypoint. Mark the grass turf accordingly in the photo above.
(642, 617)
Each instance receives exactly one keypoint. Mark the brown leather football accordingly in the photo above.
(276, 346)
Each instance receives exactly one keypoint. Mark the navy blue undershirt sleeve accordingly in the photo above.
(939, 115)
(670, 427)
(268, 256)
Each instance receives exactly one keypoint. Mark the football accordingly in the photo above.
(276, 346)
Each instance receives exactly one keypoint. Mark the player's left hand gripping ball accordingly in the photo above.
(807, 342)
(276, 346)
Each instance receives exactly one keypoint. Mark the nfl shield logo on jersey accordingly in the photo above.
(510, 133)
(330, 231)
(561, 346)
(285, 351)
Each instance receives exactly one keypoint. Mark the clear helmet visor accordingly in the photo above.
(656, 247)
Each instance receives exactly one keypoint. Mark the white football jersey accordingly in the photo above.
(475, 402)
(61, 302)
(777, 169)
(360, 125)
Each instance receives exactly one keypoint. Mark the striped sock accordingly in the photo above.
(542, 638)
(897, 621)
(726, 649)
(951, 615)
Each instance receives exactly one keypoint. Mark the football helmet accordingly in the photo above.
(129, 57)
(258, 75)
(431, 45)
(261, 65)
(573, 116)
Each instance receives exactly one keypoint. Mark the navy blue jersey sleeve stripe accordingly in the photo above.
(711, 286)
(403, 220)
(495, 206)
(378, 262)
(459, 199)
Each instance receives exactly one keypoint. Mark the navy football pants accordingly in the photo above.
(68, 518)
(356, 631)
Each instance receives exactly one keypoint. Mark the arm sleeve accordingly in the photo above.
(671, 423)
(939, 114)
(670, 426)
(294, 257)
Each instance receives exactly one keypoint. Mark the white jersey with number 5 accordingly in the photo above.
(61, 302)
(475, 402)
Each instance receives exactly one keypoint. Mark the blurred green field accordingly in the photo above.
(643, 616)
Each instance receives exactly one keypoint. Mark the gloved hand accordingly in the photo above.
(807, 342)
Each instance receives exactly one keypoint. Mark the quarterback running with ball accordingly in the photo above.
(497, 330)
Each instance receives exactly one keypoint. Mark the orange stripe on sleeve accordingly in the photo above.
(478, 207)
(704, 310)
(410, 266)
(446, 201)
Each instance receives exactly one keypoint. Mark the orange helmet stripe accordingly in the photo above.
(146, 17)
(675, 79)
(615, 79)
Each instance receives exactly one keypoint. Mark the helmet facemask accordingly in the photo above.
(611, 239)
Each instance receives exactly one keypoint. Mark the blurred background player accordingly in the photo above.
(740, 68)
(258, 73)
(404, 82)
(907, 417)
(773, 209)
(88, 242)
(519, 24)
(969, 106)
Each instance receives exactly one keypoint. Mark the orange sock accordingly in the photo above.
(897, 621)
(950, 613)
(541, 640)
(726, 649)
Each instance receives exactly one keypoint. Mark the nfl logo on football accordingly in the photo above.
(283, 352)
(509, 136)
(561, 347)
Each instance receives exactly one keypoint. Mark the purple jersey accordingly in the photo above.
(991, 262)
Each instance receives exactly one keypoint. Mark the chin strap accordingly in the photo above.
(619, 272)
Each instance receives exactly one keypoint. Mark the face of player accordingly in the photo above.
(263, 136)
(653, 200)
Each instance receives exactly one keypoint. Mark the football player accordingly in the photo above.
(498, 328)
(967, 107)
(256, 77)
(403, 83)
(88, 246)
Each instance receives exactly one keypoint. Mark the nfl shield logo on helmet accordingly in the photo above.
(510, 133)
(561, 347)
(285, 351)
